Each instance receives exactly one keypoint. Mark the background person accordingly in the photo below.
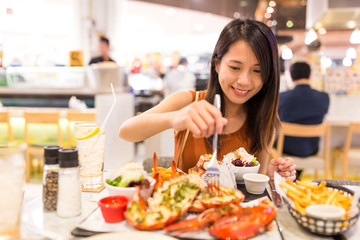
(104, 48)
(245, 72)
(179, 78)
(302, 105)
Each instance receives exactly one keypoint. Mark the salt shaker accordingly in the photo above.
(69, 193)
(50, 178)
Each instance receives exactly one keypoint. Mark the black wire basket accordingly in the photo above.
(322, 226)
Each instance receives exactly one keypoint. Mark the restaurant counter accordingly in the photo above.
(44, 97)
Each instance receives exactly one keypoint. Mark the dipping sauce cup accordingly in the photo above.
(255, 183)
(113, 208)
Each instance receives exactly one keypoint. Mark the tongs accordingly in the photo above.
(213, 170)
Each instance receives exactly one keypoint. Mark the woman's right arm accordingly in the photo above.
(177, 111)
(154, 120)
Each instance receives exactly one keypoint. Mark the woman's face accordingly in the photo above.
(239, 73)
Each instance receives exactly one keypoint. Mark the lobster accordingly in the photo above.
(229, 222)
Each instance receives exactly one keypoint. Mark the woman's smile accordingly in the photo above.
(240, 92)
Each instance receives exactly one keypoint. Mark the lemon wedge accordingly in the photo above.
(90, 135)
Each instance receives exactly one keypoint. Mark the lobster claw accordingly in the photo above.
(245, 224)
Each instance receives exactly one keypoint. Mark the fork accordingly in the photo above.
(213, 170)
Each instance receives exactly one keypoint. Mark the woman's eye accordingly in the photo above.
(234, 68)
(257, 71)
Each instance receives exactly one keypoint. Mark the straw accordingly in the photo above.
(102, 127)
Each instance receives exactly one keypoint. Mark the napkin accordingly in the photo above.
(227, 177)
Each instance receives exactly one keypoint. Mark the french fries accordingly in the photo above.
(304, 194)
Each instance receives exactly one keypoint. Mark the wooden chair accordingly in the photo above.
(5, 118)
(39, 118)
(316, 162)
(349, 155)
(77, 116)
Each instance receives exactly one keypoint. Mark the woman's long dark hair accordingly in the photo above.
(262, 109)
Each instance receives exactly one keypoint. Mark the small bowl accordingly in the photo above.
(240, 171)
(113, 208)
(326, 212)
(130, 191)
(255, 183)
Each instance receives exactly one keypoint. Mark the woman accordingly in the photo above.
(245, 72)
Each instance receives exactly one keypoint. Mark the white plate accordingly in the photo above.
(133, 235)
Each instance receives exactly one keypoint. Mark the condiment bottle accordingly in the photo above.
(69, 193)
(50, 178)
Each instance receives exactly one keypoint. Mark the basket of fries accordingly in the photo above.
(302, 194)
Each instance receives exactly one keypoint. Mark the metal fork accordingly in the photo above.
(213, 170)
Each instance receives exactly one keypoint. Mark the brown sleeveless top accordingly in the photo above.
(195, 147)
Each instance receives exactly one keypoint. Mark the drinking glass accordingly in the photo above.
(12, 172)
(91, 148)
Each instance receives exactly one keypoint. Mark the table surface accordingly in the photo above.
(39, 225)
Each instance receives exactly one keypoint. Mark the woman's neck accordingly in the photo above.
(236, 116)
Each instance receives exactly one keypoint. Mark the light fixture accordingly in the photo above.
(351, 53)
(286, 53)
(355, 36)
(270, 10)
(289, 23)
(322, 31)
(347, 62)
(310, 36)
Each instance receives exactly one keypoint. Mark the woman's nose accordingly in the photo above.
(244, 78)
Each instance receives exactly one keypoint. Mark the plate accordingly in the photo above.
(133, 235)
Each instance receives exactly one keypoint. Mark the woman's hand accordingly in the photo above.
(284, 166)
(201, 118)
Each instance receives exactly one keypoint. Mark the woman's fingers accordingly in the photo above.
(206, 117)
(284, 166)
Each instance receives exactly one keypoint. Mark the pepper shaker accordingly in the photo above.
(69, 193)
(50, 178)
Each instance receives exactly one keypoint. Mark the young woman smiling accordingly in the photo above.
(245, 72)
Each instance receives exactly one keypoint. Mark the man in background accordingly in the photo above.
(179, 78)
(302, 105)
(104, 47)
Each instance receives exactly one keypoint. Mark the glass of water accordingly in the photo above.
(90, 142)
(12, 172)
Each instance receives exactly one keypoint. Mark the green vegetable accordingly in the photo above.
(254, 161)
(115, 182)
(130, 177)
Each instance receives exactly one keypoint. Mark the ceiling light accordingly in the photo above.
(267, 15)
(287, 54)
(355, 36)
(272, 4)
(325, 62)
(351, 53)
(322, 31)
(243, 4)
(236, 15)
(347, 62)
(310, 36)
(269, 23)
(270, 10)
(289, 23)
(351, 24)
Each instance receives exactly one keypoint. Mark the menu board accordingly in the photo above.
(342, 80)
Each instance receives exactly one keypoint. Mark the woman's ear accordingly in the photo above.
(217, 65)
